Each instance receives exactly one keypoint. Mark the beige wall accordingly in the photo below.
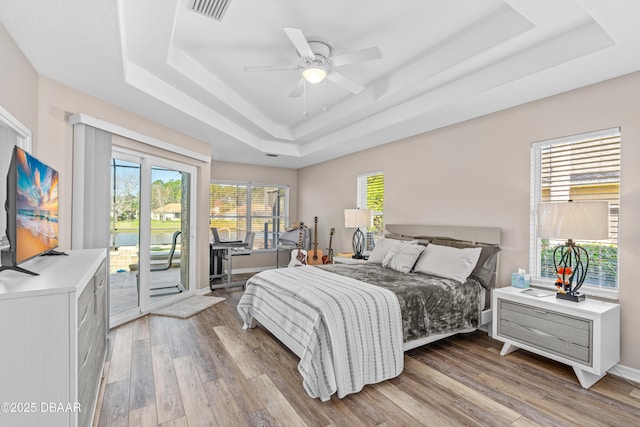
(474, 173)
(18, 84)
(225, 171)
(42, 104)
(477, 173)
(55, 142)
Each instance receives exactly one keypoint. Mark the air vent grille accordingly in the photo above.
(212, 8)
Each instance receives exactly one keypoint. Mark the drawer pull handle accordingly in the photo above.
(86, 357)
(84, 315)
(539, 332)
(539, 311)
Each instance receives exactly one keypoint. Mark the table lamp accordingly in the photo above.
(357, 218)
(572, 220)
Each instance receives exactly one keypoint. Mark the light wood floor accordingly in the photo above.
(207, 371)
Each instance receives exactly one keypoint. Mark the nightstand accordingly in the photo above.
(584, 335)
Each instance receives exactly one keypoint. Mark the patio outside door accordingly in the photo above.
(151, 223)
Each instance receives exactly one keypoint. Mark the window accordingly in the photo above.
(579, 168)
(236, 208)
(371, 196)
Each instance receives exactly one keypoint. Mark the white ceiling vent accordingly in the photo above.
(212, 8)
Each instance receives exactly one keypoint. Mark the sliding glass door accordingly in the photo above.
(151, 233)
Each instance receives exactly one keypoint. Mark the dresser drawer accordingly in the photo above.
(100, 278)
(557, 333)
(86, 319)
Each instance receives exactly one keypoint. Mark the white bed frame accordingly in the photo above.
(487, 235)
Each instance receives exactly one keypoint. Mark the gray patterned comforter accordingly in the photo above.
(430, 305)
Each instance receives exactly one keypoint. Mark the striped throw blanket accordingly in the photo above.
(349, 332)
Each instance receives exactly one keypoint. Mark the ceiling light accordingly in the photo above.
(314, 74)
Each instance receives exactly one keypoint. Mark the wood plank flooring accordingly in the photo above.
(207, 371)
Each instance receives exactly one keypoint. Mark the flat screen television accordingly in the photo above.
(32, 210)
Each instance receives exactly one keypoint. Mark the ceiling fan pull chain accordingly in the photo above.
(326, 96)
(304, 88)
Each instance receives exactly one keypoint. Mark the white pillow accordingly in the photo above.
(381, 249)
(448, 262)
(402, 257)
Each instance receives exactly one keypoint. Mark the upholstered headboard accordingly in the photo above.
(488, 238)
(485, 235)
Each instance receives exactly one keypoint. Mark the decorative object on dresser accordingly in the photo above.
(328, 258)
(53, 330)
(572, 220)
(358, 218)
(314, 256)
(299, 255)
(584, 336)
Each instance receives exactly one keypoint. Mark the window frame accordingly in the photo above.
(249, 186)
(361, 201)
(535, 263)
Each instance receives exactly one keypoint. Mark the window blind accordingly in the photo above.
(236, 208)
(371, 196)
(581, 168)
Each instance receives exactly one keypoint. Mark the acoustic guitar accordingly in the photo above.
(315, 256)
(328, 258)
(299, 255)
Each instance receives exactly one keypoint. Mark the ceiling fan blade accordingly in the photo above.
(272, 68)
(345, 82)
(300, 42)
(298, 89)
(356, 56)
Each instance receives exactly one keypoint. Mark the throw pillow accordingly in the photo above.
(381, 249)
(448, 262)
(402, 257)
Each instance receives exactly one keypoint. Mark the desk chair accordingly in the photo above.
(178, 288)
(247, 245)
(217, 241)
(167, 264)
(245, 249)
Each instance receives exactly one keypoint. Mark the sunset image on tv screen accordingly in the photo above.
(37, 207)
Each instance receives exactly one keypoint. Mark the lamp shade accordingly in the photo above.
(314, 74)
(574, 220)
(356, 218)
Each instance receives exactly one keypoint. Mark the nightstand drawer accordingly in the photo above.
(555, 332)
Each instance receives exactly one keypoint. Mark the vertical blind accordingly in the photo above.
(583, 168)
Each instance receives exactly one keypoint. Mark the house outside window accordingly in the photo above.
(371, 196)
(236, 208)
(582, 167)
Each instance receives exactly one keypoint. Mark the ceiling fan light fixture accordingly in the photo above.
(314, 74)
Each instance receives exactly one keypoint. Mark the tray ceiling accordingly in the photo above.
(442, 63)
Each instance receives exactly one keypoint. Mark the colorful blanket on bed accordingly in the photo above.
(351, 332)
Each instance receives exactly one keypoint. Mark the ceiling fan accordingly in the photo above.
(319, 62)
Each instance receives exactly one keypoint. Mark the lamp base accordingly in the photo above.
(571, 296)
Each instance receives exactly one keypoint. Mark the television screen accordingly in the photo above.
(36, 203)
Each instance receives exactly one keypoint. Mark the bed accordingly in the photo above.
(350, 324)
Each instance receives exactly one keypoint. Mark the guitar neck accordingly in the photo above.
(315, 234)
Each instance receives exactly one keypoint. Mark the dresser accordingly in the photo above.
(53, 336)
(584, 335)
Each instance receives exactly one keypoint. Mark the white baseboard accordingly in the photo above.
(252, 270)
(626, 372)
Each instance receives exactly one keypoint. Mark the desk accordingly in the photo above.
(212, 275)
